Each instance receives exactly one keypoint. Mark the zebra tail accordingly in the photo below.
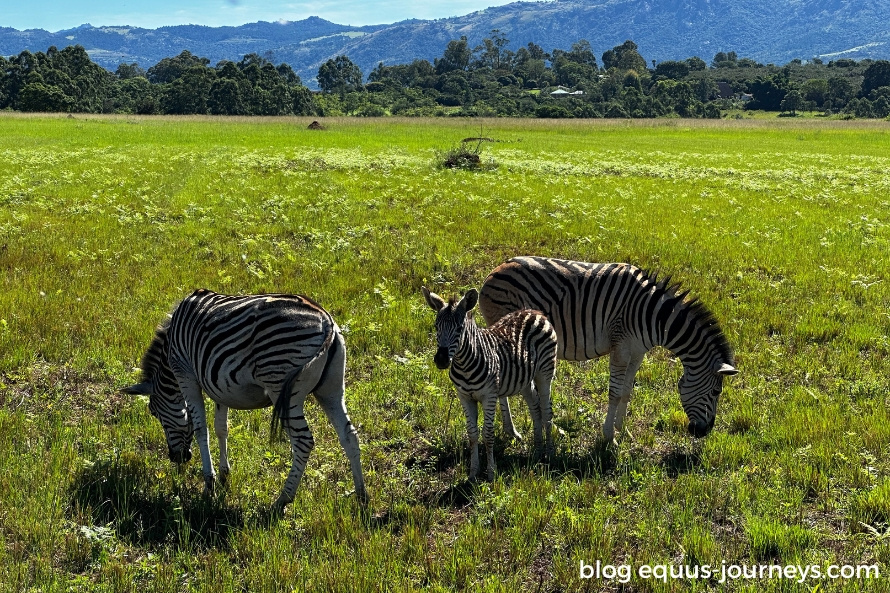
(281, 410)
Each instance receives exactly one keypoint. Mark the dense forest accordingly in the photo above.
(486, 80)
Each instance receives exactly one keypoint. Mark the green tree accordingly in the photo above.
(696, 64)
(768, 92)
(226, 98)
(624, 57)
(339, 75)
(875, 76)
(457, 56)
(169, 69)
(725, 60)
(791, 102)
(38, 96)
(303, 103)
(127, 71)
(582, 53)
(815, 90)
(188, 94)
(672, 70)
(493, 53)
(840, 91)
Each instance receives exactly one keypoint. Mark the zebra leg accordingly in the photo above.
(221, 426)
(623, 368)
(507, 420)
(488, 409)
(194, 400)
(471, 411)
(530, 395)
(543, 382)
(330, 396)
(301, 444)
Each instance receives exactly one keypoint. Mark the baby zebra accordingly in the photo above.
(515, 355)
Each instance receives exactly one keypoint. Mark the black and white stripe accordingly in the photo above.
(515, 355)
(623, 311)
(247, 352)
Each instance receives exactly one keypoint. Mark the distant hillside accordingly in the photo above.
(767, 31)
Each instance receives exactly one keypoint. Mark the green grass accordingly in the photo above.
(780, 227)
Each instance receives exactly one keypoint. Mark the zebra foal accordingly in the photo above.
(247, 352)
(622, 311)
(515, 355)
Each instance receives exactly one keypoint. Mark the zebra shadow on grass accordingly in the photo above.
(447, 458)
(683, 461)
(144, 510)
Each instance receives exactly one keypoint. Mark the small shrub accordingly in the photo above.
(465, 157)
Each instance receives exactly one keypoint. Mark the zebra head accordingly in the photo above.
(700, 389)
(451, 318)
(165, 401)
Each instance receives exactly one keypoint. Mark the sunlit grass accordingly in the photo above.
(780, 227)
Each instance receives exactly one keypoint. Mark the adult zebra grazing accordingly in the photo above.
(247, 352)
(620, 310)
(515, 355)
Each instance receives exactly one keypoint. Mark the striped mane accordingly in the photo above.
(155, 358)
(697, 312)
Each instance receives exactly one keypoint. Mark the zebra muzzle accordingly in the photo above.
(441, 358)
(700, 430)
(181, 456)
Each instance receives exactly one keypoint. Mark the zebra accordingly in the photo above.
(247, 352)
(515, 355)
(623, 311)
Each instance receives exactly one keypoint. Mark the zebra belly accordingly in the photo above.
(248, 396)
(581, 352)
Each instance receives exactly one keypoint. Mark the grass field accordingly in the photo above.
(780, 227)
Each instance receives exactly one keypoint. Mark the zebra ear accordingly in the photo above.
(432, 299)
(144, 388)
(727, 370)
(470, 299)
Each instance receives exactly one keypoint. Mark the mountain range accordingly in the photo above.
(764, 30)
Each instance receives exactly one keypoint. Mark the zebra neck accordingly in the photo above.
(471, 342)
(693, 338)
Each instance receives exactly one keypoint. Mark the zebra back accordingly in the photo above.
(526, 344)
(219, 338)
(594, 306)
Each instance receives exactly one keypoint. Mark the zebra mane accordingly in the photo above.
(698, 312)
(153, 359)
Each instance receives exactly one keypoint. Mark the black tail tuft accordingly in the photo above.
(281, 410)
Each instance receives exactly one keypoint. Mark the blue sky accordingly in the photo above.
(54, 15)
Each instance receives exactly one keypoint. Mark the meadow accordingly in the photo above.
(781, 227)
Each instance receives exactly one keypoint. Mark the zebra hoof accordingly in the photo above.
(279, 505)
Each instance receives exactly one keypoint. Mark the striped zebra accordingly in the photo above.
(515, 355)
(623, 311)
(247, 352)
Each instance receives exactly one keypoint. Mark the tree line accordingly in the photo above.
(487, 80)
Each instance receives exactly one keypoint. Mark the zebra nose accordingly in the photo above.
(182, 456)
(700, 430)
(441, 358)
